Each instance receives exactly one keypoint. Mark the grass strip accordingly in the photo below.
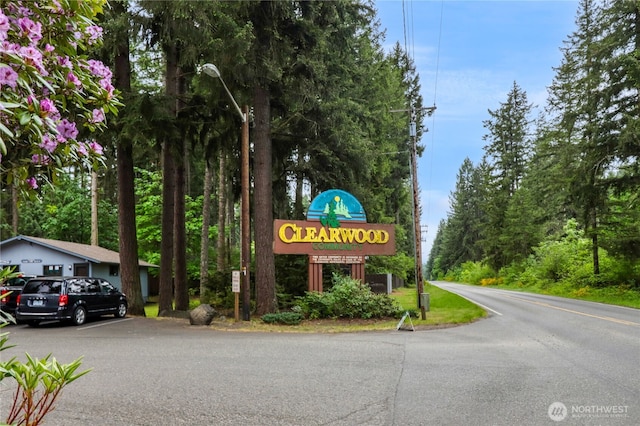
(445, 309)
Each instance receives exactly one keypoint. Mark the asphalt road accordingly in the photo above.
(535, 360)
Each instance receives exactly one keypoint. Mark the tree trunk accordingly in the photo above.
(263, 210)
(594, 243)
(94, 208)
(129, 263)
(180, 284)
(298, 209)
(128, 240)
(165, 299)
(204, 236)
(180, 238)
(232, 235)
(14, 208)
(222, 203)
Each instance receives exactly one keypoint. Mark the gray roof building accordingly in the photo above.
(42, 256)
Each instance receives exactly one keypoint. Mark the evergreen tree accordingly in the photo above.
(507, 154)
(460, 237)
(577, 106)
(433, 270)
(618, 49)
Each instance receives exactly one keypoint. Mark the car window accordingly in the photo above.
(107, 288)
(43, 287)
(76, 286)
(16, 282)
(92, 286)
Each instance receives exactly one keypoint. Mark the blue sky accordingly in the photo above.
(468, 55)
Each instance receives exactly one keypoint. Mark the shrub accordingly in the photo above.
(348, 298)
(474, 272)
(490, 281)
(288, 318)
(314, 305)
(39, 382)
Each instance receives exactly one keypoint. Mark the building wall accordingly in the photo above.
(32, 259)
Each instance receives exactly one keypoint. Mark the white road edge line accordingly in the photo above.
(102, 324)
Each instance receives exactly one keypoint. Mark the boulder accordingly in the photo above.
(202, 315)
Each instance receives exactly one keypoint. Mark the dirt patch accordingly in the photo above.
(339, 325)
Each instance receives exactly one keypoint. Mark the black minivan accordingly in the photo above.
(68, 299)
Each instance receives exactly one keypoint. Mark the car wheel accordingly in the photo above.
(122, 310)
(33, 323)
(79, 316)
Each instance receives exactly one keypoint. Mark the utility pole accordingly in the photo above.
(417, 228)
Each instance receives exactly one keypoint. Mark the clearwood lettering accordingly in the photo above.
(292, 233)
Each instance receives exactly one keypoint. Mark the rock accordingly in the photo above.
(202, 315)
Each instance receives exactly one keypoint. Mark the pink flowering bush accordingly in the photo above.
(52, 96)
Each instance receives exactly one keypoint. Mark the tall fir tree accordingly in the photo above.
(507, 153)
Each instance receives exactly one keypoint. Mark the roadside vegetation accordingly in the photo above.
(351, 306)
(560, 267)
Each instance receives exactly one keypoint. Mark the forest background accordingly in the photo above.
(554, 201)
(321, 92)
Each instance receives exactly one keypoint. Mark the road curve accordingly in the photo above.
(536, 360)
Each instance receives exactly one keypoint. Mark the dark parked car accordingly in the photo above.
(10, 290)
(68, 299)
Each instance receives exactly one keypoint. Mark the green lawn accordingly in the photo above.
(445, 307)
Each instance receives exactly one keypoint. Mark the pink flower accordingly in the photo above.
(67, 129)
(99, 69)
(40, 159)
(65, 62)
(33, 56)
(57, 6)
(4, 26)
(4, 22)
(33, 30)
(98, 116)
(95, 33)
(96, 147)
(47, 107)
(71, 78)
(106, 85)
(48, 144)
(24, 11)
(8, 47)
(32, 182)
(82, 150)
(8, 76)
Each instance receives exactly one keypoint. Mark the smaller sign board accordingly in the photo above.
(345, 259)
(235, 281)
(401, 326)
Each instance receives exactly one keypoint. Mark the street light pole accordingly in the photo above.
(245, 222)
